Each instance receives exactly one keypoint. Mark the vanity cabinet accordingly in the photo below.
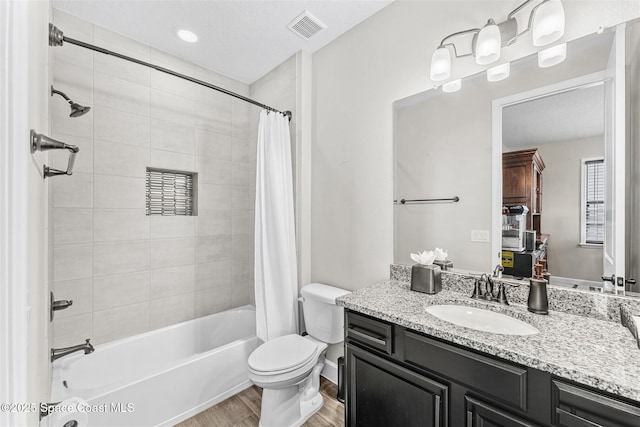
(400, 377)
(522, 183)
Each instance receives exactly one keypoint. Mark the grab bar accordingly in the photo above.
(41, 142)
(405, 201)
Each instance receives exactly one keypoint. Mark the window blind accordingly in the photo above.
(594, 200)
(169, 193)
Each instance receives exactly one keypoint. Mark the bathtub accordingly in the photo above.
(161, 377)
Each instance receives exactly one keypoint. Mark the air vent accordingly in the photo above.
(306, 25)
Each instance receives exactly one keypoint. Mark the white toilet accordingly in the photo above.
(288, 367)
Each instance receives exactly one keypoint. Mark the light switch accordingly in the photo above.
(479, 235)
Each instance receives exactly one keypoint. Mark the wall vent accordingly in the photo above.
(306, 25)
(171, 193)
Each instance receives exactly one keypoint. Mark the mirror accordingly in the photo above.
(443, 149)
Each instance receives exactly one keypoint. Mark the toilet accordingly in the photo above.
(288, 368)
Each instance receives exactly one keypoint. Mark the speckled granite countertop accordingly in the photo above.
(598, 353)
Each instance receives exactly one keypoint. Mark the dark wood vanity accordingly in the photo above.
(397, 376)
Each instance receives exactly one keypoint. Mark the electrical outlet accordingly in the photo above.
(480, 235)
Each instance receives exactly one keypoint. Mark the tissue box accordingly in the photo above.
(444, 265)
(426, 278)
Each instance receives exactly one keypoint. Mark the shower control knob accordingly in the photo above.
(61, 304)
(57, 305)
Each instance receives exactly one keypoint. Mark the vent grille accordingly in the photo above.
(306, 25)
(170, 193)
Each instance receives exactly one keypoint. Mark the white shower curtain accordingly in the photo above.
(276, 283)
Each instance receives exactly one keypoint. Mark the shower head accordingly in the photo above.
(77, 110)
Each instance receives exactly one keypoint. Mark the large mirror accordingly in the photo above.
(445, 148)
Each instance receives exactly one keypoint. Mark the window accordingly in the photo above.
(170, 193)
(592, 206)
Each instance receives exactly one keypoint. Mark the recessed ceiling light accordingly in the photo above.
(186, 35)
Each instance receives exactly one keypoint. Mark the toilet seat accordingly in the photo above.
(283, 354)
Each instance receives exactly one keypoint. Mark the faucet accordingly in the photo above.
(57, 353)
(497, 272)
(488, 294)
(488, 289)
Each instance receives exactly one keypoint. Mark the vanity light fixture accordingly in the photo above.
(488, 44)
(546, 22)
(552, 56)
(453, 86)
(500, 72)
(186, 35)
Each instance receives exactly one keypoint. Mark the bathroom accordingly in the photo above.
(342, 133)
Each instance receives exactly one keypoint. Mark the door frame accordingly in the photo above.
(496, 149)
(15, 160)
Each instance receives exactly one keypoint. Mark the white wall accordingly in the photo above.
(561, 208)
(127, 272)
(356, 79)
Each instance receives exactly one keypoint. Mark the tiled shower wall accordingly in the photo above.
(126, 272)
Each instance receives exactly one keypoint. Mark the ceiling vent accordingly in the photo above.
(306, 25)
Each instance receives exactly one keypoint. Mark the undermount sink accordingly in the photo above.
(481, 320)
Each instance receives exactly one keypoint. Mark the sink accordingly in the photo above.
(481, 320)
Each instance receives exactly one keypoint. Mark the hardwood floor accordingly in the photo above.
(243, 410)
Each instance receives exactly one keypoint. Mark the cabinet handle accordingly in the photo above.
(469, 419)
(366, 337)
(437, 411)
(569, 420)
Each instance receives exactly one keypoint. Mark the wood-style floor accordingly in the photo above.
(243, 410)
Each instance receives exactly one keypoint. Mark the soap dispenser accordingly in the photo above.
(538, 302)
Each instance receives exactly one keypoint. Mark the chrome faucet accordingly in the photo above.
(57, 353)
(497, 272)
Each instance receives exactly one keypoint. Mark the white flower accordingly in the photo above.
(424, 258)
(441, 254)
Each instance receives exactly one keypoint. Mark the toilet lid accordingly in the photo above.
(284, 353)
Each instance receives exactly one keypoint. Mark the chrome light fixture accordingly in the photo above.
(546, 22)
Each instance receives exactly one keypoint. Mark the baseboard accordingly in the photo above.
(330, 371)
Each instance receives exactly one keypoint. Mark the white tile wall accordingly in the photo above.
(126, 272)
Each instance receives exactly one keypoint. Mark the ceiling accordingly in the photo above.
(572, 115)
(241, 39)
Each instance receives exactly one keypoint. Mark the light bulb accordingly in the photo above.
(548, 23)
(552, 56)
(453, 86)
(186, 35)
(498, 73)
(488, 45)
(440, 64)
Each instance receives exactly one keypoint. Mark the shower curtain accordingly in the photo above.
(276, 284)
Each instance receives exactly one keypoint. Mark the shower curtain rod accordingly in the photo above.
(57, 38)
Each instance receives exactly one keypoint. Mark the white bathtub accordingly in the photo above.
(161, 377)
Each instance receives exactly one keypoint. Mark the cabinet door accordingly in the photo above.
(579, 407)
(514, 185)
(480, 414)
(382, 393)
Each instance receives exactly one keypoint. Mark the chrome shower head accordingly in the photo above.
(77, 110)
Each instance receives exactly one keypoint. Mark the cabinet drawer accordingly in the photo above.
(578, 407)
(494, 378)
(481, 414)
(371, 332)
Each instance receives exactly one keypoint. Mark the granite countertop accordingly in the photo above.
(593, 352)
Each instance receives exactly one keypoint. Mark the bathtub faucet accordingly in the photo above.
(57, 353)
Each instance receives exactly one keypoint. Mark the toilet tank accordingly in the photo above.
(323, 319)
